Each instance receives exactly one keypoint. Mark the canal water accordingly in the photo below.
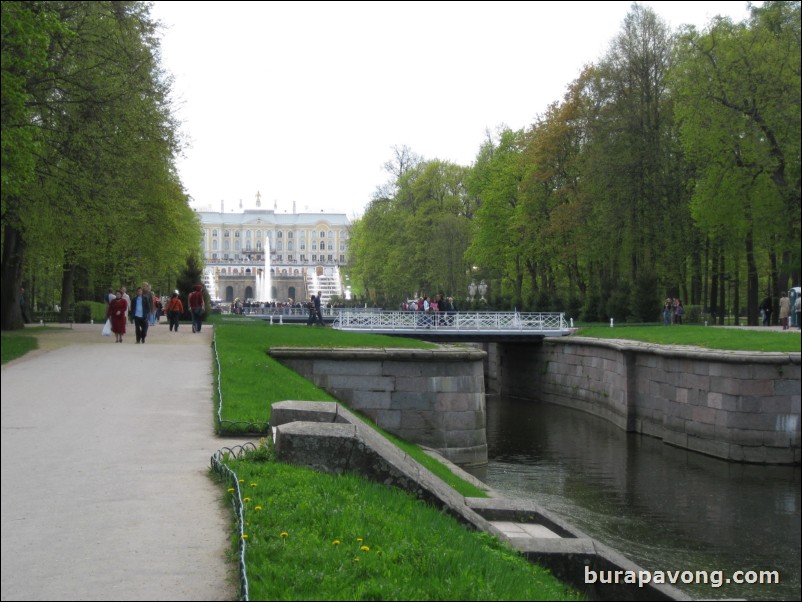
(664, 508)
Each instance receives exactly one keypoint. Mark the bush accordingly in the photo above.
(592, 310)
(83, 312)
(86, 311)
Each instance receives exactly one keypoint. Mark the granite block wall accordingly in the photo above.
(741, 406)
(435, 398)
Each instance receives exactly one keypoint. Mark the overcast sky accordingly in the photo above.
(303, 101)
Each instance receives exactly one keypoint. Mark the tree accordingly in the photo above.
(738, 103)
(496, 245)
(90, 98)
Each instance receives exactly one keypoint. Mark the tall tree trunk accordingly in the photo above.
(67, 280)
(722, 292)
(751, 281)
(12, 262)
(736, 297)
(773, 279)
(714, 305)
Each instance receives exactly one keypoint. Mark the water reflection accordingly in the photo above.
(663, 507)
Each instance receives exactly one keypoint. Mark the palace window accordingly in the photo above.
(225, 234)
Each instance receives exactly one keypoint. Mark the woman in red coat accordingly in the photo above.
(118, 312)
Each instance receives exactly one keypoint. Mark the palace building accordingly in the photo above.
(261, 255)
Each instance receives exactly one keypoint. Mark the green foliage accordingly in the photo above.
(190, 274)
(738, 106)
(345, 538)
(669, 162)
(86, 107)
(86, 311)
(414, 242)
(694, 314)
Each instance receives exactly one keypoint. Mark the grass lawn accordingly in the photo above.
(16, 344)
(733, 339)
(326, 537)
(313, 536)
(251, 381)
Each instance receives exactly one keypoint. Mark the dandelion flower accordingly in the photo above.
(365, 549)
(359, 539)
(356, 560)
(246, 499)
(231, 489)
(242, 480)
(336, 542)
(244, 536)
(253, 484)
(257, 508)
(284, 535)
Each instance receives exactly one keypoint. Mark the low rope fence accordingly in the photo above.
(219, 459)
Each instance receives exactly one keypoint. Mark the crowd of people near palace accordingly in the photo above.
(438, 304)
(146, 308)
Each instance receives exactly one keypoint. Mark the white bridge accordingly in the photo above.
(453, 325)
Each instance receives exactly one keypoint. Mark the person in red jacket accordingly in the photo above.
(117, 312)
(174, 310)
(196, 307)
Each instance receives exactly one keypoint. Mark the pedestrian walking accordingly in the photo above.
(117, 312)
(196, 307)
(174, 310)
(141, 311)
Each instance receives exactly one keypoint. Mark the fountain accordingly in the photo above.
(264, 281)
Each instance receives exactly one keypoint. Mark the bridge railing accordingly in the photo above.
(468, 322)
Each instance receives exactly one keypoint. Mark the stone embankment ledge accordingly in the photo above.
(736, 405)
(432, 397)
(325, 436)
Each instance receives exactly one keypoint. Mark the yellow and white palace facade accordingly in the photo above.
(261, 255)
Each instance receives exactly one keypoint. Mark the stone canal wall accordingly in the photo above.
(740, 406)
(326, 436)
(432, 397)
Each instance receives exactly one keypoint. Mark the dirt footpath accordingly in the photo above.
(106, 493)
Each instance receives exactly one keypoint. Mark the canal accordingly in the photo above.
(664, 508)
